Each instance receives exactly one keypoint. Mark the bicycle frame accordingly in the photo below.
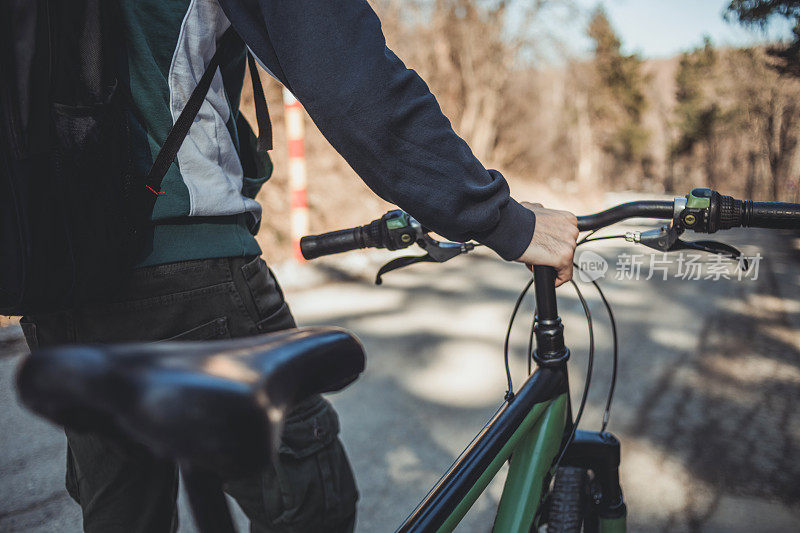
(532, 427)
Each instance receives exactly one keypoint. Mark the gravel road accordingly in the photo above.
(706, 405)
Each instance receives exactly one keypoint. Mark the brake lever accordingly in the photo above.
(714, 247)
(438, 252)
(661, 239)
(401, 262)
(666, 239)
(443, 251)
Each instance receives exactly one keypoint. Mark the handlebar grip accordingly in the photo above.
(334, 242)
(773, 215)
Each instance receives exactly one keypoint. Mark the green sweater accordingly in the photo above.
(208, 207)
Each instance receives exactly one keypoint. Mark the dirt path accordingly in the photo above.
(706, 403)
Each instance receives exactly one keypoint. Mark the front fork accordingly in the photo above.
(600, 453)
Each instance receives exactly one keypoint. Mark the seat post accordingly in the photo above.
(207, 500)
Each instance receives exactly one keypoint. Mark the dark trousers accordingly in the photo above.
(120, 485)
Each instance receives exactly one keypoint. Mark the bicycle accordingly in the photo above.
(220, 404)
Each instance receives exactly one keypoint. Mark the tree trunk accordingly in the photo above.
(750, 183)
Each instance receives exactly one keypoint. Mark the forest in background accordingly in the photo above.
(573, 124)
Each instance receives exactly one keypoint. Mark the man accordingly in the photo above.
(201, 276)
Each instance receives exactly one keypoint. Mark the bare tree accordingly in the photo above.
(471, 52)
(768, 106)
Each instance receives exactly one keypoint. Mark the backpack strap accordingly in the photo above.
(262, 111)
(180, 128)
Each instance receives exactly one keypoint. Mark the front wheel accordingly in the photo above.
(567, 502)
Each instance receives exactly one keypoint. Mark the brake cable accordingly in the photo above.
(613, 323)
(603, 238)
(588, 381)
(586, 237)
(530, 340)
(590, 363)
(615, 356)
(510, 392)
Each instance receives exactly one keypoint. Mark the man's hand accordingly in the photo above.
(554, 241)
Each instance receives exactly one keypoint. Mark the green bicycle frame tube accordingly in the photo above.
(451, 497)
(534, 444)
(530, 463)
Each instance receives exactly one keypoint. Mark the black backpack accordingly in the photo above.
(72, 211)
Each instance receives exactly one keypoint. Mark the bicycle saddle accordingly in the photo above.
(216, 404)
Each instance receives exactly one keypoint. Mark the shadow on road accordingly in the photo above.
(706, 401)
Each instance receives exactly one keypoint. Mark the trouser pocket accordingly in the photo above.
(264, 298)
(317, 491)
(212, 330)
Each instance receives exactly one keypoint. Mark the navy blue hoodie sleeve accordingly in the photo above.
(381, 117)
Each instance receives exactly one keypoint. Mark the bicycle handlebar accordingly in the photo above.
(702, 210)
(335, 242)
(394, 230)
(641, 209)
(772, 215)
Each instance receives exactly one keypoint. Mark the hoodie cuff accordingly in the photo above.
(513, 233)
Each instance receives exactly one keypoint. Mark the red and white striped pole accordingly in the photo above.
(295, 134)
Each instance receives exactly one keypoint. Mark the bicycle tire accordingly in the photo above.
(567, 501)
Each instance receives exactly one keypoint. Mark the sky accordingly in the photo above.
(662, 28)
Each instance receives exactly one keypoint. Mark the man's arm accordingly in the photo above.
(382, 118)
